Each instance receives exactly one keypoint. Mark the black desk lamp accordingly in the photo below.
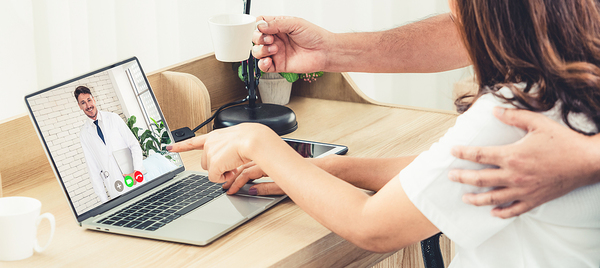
(279, 118)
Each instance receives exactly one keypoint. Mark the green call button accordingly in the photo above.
(129, 181)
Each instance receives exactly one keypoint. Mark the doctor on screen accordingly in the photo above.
(103, 136)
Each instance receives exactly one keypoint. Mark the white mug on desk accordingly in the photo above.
(232, 36)
(19, 219)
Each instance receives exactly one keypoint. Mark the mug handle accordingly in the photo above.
(50, 218)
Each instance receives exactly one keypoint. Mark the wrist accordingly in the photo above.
(261, 140)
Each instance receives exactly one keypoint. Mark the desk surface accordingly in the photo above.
(283, 236)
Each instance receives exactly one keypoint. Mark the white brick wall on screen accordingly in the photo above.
(60, 121)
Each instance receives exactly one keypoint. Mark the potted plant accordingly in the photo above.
(276, 88)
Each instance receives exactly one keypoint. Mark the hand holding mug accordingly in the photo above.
(232, 36)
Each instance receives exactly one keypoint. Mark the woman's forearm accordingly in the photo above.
(349, 212)
(366, 173)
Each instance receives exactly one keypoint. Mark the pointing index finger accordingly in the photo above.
(196, 143)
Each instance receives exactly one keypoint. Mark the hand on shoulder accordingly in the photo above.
(549, 162)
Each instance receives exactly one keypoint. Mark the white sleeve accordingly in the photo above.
(132, 143)
(426, 182)
(93, 169)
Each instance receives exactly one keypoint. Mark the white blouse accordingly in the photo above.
(564, 232)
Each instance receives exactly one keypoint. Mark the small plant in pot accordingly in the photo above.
(276, 88)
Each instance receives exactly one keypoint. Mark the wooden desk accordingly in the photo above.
(283, 236)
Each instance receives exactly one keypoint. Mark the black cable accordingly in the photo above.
(217, 112)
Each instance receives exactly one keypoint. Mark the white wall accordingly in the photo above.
(44, 42)
(18, 74)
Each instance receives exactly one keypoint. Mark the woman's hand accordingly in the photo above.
(249, 172)
(227, 149)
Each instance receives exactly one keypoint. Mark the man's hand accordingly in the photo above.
(288, 44)
(549, 162)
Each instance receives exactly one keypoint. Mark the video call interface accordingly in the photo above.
(109, 140)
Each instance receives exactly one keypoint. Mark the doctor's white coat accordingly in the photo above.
(99, 157)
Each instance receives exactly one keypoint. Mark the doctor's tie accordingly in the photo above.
(99, 131)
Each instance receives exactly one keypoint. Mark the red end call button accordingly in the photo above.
(138, 176)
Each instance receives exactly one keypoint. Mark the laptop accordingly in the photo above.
(160, 199)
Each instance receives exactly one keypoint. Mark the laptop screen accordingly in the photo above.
(104, 133)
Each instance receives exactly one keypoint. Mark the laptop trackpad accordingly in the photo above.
(229, 209)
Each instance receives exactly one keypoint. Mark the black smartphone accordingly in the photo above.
(312, 149)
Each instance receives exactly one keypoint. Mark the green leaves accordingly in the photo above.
(241, 73)
(149, 140)
(290, 77)
(130, 122)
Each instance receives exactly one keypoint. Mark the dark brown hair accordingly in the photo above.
(81, 90)
(553, 45)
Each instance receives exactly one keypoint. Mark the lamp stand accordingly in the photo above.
(279, 118)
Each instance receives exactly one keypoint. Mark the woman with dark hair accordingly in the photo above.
(552, 47)
(539, 55)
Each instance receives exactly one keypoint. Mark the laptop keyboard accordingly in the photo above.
(166, 205)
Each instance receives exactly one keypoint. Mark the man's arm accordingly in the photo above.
(529, 169)
(289, 44)
(549, 162)
(426, 46)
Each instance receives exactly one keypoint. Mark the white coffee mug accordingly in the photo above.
(232, 36)
(19, 219)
